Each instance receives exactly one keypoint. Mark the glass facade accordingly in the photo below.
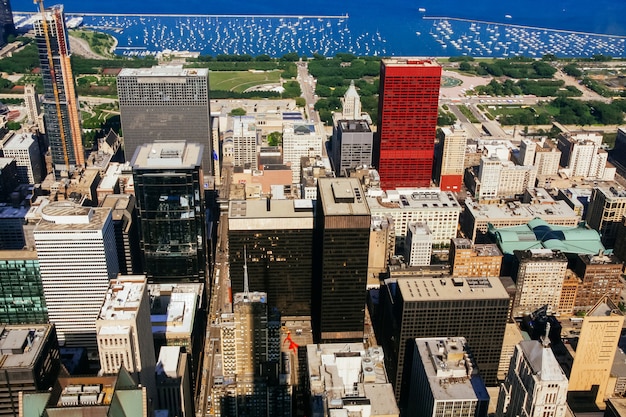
(60, 104)
(21, 292)
(172, 224)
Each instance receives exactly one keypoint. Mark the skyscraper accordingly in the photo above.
(163, 103)
(407, 121)
(7, 27)
(591, 370)
(60, 103)
(535, 385)
(278, 237)
(343, 230)
(168, 186)
(427, 307)
(77, 258)
(124, 331)
(445, 379)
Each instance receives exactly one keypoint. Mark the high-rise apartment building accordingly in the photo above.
(445, 379)
(277, 235)
(407, 122)
(21, 290)
(474, 260)
(170, 196)
(454, 142)
(164, 103)
(606, 209)
(599, 335)
(600, 276)
(443, 307)
(77, 258)
(124, 332)
(343, 232)
(352, 145)
(538, 276)
(535, 385)
(60, 102)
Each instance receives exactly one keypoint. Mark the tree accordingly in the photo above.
(237, 112)
(465, 66)
(274, 138)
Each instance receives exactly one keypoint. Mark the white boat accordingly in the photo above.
(422, 10)
(508, 16)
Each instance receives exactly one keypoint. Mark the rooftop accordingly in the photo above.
(19, 141)
(450, 370)
(70, 217)
(20, 345)
(354, 126)
(173, 307)
(457, 288)
(270, 214)
(542, 361)
(412, 198)
(164, 155)
(342, 197)
(123, 298)
(558, 209)
(164, 71)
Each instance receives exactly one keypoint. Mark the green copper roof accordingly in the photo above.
(538, 234)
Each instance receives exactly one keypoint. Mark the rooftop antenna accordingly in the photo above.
(246, 288)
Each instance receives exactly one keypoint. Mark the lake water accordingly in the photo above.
(364, 27)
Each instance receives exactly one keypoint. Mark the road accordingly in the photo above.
(219, 302)
(307, 85)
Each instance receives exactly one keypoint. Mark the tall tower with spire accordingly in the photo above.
(351, 103)
(60, 103)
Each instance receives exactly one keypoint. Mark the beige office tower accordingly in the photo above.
(124, 331)
(595, 352)
(470, 260)
(33, 105)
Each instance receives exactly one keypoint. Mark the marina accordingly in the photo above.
(276, 35)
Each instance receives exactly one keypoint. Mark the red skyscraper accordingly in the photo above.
(407, 121)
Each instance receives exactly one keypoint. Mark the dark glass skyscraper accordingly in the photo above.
(278, 238)
(60, 103)
(407, 122)
(7, 27)
(168, 187)
(342, 246)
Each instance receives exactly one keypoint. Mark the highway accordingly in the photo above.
(220, 299)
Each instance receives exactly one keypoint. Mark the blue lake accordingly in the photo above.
(395, 27)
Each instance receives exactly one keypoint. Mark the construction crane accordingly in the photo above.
(55, 88)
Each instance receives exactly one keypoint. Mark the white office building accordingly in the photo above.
(77, 257)
(23, 147)
(300, 139)
(439, 209)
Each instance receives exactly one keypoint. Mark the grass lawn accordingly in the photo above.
(517, 114)
(100, 43)
(239, 81)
